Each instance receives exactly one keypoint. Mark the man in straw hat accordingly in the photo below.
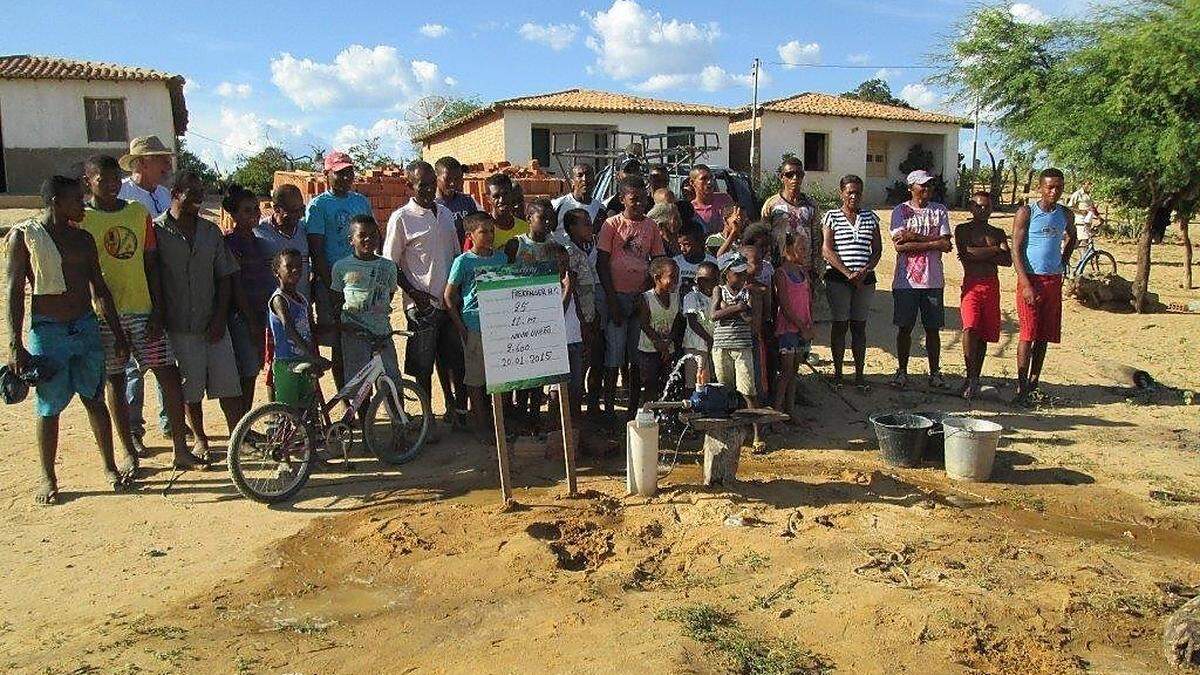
(149, 164)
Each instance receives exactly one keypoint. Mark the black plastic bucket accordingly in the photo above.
(902, 437)
(935, 446)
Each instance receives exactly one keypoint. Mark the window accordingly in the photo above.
(877, 159)
(816, 151)
(105, 118)
(540, 141)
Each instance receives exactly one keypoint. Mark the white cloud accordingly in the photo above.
(710, 78)
(191, 86)
(391, 132)
(886, 74)
(631, 42)
(556, 36)
(920, 96)
(231, 90)
(859, 58)
(449, 81)
(434, 30)
(796, 54)
(358, 77)
(1023, 12)
(245, 133)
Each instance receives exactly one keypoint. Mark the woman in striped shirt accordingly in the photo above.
(852, 246)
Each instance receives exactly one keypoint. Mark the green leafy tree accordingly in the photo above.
(186, 160)
(257, 172)
(1114, 97)
(369, 155)
(876, 90)
(917, 158)
(456, 107)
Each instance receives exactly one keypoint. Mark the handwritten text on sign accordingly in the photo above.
(524, 339)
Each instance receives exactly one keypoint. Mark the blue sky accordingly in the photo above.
(336, 72)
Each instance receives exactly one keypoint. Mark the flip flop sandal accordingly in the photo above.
(899, 380)
(50, 500)
(937, 381)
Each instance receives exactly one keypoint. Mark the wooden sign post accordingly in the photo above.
(524, 346)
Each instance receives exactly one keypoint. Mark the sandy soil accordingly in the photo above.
(832, 560)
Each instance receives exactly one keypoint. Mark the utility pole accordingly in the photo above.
(754, 129)
(975, 142)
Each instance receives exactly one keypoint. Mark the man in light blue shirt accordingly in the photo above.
(328, 223)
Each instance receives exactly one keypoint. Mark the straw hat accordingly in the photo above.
(143, 146)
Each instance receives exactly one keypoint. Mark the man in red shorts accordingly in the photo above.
(981, 248)
(1043, 238)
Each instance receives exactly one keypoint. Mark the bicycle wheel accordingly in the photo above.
(1101, 262)
(395, 435)
(271, 452)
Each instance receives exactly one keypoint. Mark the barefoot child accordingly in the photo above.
(291, 331)
(658, 311)
(463, 308)
(60, 262)
(128, 255)
(735, 314)
(697, 338)
(793, 319)
(981, 248)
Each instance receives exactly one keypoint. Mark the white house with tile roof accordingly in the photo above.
(54, 113)
(520, 129)
(835, 136)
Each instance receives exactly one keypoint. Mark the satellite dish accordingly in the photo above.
(426, 109)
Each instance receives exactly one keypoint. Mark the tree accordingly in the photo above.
(186, 160)
(876, 90)
(1114, 97)
(456, 107)
(368, 155)
(257, 172)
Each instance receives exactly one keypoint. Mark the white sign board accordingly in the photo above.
(521, 320)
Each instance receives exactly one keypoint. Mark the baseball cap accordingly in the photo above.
(337, 160)
(732, 261)
(919, 177)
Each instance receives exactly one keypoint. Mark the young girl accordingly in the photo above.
(290, 331)
(735, 314)
(658, 310)
(533, 246)
(793, 318)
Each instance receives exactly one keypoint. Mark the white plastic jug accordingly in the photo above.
(641, 457)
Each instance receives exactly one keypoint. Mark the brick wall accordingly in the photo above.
(479, 141)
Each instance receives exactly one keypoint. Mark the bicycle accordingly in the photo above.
(273, 448)
(1088, 258)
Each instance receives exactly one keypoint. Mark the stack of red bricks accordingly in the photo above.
(533, 180)
(388, 189)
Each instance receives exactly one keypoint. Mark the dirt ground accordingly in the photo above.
(822, 558)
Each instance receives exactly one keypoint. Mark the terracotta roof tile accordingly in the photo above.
(584, 100)
(811, 103)
(29, 67)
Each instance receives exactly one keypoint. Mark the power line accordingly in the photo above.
(847, 66)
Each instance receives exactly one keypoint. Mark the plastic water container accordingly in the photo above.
(902, 437)
(641, 455)
(970, 447)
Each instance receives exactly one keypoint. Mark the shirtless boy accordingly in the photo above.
(981, 248)
(60, 262)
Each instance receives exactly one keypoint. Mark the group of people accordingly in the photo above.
(650, 279)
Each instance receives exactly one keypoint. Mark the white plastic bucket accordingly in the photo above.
(641, 458)
(970, 447)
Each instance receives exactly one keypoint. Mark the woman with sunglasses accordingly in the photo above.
(792, 210)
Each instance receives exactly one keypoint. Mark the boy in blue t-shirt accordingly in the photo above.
(363, 285)
(327, 220)
(463, 307)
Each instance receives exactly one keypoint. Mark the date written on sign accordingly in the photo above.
(521, 323)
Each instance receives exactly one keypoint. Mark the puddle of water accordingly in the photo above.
(1173, 542)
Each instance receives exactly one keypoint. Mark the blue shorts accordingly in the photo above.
(620, 342)
(907, 302)
(76, 350)
(247, 349)
(793, 343)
